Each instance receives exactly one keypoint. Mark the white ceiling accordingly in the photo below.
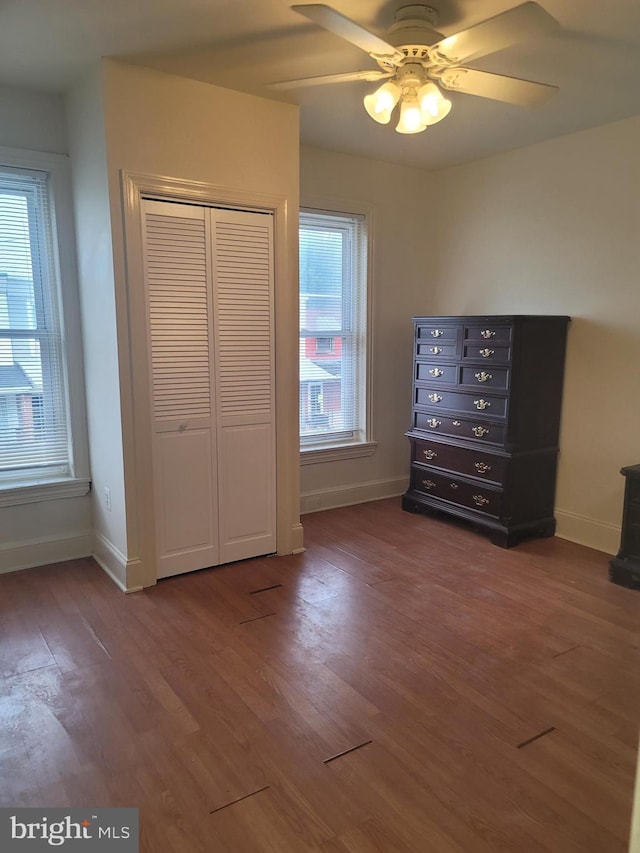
(243, 44)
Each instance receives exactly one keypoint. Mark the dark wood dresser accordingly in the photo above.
(624, 569)
(487, 393)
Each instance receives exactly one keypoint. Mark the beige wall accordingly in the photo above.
(399, 198)
(554, 229)
(33, 120)
(168, 126)
(95, 272)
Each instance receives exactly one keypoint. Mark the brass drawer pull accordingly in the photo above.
(479, 431)
(435, 350)
(480, 500)
(430, 454)
(433, 423)
(435, 398)
(428, 484)
(481, 404)
(487, 353)
(436, 372)
(456, 423)
(437, 333)
(482, 467)
(453, 485)
(483, 377)
(487, 333)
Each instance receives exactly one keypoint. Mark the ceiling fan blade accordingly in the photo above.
(511, 90)
(346, 77)
(347, 29)
(522, 22)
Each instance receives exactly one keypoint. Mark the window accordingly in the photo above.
(35, 415)
(333, 331)
(324, 346)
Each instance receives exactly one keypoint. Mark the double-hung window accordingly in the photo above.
(334, 334)
(35, 415)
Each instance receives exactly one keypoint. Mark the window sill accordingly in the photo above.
(337, 452)
(13, 494)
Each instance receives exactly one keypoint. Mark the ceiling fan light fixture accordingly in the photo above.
(410, 120)
(433, 106)
(381, 103)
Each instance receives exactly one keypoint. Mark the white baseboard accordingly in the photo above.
(39, 552)
(356, 493)
(587, 531)
(114, 563)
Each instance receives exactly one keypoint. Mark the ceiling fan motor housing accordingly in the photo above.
(413, 30)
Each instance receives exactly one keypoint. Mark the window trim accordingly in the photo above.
(348, 448)
(32, 489)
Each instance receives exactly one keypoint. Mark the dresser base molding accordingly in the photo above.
(500, 535)
(625, 572)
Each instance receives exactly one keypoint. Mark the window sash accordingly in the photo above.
(34, 434)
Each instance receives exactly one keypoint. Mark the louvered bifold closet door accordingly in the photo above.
(242, 245)
(177, 256)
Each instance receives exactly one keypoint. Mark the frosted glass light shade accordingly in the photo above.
(433, 106)
(380, 103)
(411, 119)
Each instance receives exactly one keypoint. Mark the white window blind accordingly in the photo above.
(34, 440)
(332, 328)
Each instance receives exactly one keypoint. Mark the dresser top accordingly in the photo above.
(632, 471)
(493, 318)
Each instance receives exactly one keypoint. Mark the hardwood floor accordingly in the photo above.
(402, 686)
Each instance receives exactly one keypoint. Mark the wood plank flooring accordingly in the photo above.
(402, 686)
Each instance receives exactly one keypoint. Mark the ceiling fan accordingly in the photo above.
(416, 61)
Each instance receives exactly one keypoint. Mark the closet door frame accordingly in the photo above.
(135, 375)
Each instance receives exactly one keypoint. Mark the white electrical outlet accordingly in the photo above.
(107, 498)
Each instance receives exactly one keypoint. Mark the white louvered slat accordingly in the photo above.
(179, 320)
(244, 319)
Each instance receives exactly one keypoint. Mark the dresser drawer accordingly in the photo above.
(479, 403)
(485, 377)
(470, 462)
(488, 352)
(432, 350)
(438, 333)
(444, 374)
(460, 427)
(450, 488)
(487, 333)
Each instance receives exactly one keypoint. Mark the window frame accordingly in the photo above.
(365, 445)
(32, 488)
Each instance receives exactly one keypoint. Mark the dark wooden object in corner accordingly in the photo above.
(624, 569)
(485, 421)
